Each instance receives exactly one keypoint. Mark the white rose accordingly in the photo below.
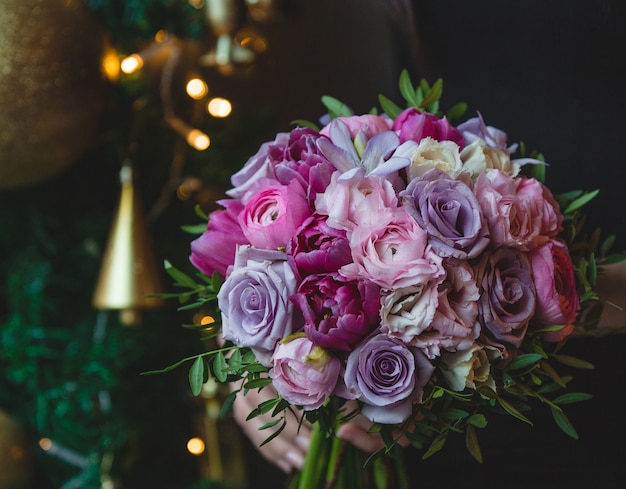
(408, 311)
(478, 157)
(469, 368)
(429, 154)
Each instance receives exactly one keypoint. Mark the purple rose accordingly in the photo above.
(318, 248)
(254, 301)
(272, 215)
(507, 300)
(413, 125)
(304, 374)
(449, 212)
(388, 377)
(215, 249)
(338, 313)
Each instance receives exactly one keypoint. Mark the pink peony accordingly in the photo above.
(413, 125)
(555, 282)
(271, 216)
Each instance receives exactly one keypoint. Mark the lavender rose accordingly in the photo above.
(507, 299)
(388, 377)
(254, 301)
(338, 313)
(555, 282)
(449, 212)
(304, 374)
(270, 218)
(215, 249)
(318, 248)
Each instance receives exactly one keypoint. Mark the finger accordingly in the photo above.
(360, 438)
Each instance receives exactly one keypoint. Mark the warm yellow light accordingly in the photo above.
(197, 88)
(195, 446)
(111, 65)
(131, 64)
(45, 444)
(219, 107)
(196, 3)
(161, 36)
(198, 140)
(207, 320)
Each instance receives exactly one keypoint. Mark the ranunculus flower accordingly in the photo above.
(507, 296)
(407, 312)
(469, 368)
(338, 313)
(292, 155)
(449, 212)
(318, 248)
(271, 216)
(429, 154)
(413, 125)
(215, 249)
(358, 201)
(521, 212)
(254, 301)
(555, 283)
(455, 325)
(388, 377)
(394, 254)
(304, 374)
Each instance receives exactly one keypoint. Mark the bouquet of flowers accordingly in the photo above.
(395, 266)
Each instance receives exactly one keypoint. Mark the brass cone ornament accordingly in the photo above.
(129, 274)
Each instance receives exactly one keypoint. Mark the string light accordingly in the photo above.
(196, 88)
(207, 320)
(111, 65)
(219, 107)
(194, 137)
(131, 64)
(195, 446)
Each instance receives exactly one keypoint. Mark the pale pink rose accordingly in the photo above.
(394, 254)
(521, 212)
(368, 124)
(555, 283)
(271, 216)
(359, 201)
(304, 374)
(429, 154)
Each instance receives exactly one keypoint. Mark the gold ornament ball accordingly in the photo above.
(15, 467)
(52, 88)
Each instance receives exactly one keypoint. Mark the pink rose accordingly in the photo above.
(271, 216)
(215, 249)
(555, 283)
(393, 254)
(521, 212)
(304, 374)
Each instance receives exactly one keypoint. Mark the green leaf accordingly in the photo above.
(274, 435)
(564, 423)
(433, 95)
(454, 414)
(258, 383)
(581, 201)
(216, 281)
(200, 213)
(227, 405)
(471, 442)
(234, 362)
(196, 376)
(572, 397)
(389, 108)
(478, 420)
(436, 445)
(305, 123)
(270, 424)
(572, 361)
(523, 361)
(457, 111)
(550, 372)
(407, 90)
(220, 369)
(335, 107)
(180, 277)
(512, 410)
(194, 228)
